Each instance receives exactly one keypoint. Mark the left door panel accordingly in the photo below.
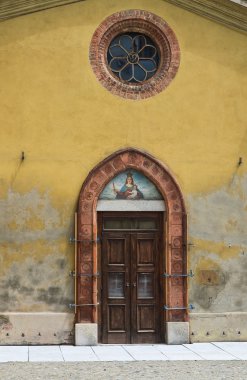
(116, 288)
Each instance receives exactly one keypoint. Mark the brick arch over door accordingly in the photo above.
(175, 231)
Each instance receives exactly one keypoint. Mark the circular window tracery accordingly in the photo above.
(134, 54)
(133, 57)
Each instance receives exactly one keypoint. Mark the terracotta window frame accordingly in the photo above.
(142, 22)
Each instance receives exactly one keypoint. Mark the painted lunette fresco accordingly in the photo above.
(130, 185)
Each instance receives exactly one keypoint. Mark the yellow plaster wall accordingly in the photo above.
(50, 95)
(54, 109)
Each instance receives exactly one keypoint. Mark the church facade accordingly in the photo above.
(123, 174)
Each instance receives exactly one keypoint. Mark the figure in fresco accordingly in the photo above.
(129, 190)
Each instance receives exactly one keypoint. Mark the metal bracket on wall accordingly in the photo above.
(190, 274)
(73, 274)
(84, 304)
(73, 240)
(189, 307)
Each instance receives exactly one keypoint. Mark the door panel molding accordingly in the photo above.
(131, 308)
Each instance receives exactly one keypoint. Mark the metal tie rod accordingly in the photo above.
(189, 307)
(73, 240)
(84, 304)
(190, 274)
(73, 274)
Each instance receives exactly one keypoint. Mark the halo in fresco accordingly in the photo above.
(130, 185)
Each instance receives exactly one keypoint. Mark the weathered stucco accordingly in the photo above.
(218, 256)
(29, 217)
(55, 111)
(220, 215)
(36, 256)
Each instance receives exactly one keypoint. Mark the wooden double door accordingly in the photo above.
(131, 290)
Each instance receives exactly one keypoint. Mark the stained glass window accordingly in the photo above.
(133, 57)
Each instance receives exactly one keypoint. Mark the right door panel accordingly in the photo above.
(145, 297)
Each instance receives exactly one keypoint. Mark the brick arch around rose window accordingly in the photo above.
(175, 232)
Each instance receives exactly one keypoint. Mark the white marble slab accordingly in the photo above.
(13, 354)
(111, 353)
(130, 205)
(45, 354)
(78, 354)
(142, 352)
(208, 351)
(178, 352)
(238, 349)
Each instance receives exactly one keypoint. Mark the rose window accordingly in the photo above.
(134, 54)
(133, 57)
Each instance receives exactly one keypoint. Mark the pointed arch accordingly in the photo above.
(175, 231)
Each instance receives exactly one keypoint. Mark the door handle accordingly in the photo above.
(134, 284)
(127, 284)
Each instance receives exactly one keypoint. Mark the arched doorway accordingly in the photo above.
(173, 295)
